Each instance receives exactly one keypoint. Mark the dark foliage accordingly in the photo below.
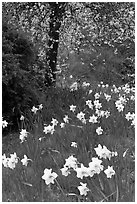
(18, 88)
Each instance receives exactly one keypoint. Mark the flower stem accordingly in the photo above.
(60, 188)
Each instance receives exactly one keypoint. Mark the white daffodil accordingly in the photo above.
(97, 104)
(109, 172)
(99, 131)
(107, 114)
(23, 135)
(97, 95)
(93, 119)
(72, 108)
(62, 125)
(5, 160)
(95, 166)
(114, 154)
(103, 152)
(74, 144)
(98, 150)
(130, 116)
(22, 117)
(81, 115)
(71, 162)
(100, 113)
(12, 161)
(49, 129)
(34, 109)
(119, 105)
(82, 171)
(49, 177)
(108, 97)
(89, 104)
(54, 122)
(83, 189)
(40, 107)
(25, 160)
(66, 119)
(85, 84)
(4, 123)
(65, 171)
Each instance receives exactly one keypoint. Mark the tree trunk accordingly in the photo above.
(56, 15)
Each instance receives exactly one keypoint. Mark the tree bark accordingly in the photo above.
(57, 11)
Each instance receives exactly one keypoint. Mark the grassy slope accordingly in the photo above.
(118, 136)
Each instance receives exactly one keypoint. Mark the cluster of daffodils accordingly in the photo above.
(94, 167)
(34, 109)
(10, 162)
(102, 113)
(130, 116)
(51, 128)
(126, 88)
(97, 105)
(104, 152)
(120, 103)
(4, 123)
(23, 135)
(85, 84)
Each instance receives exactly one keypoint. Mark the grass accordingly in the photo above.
(25, 183)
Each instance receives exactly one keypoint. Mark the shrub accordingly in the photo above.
(18, 88)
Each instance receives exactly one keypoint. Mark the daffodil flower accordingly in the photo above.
(95, 166)
(109, 172)
(82, 171)
(65, 171)
(66, 119)
(23, 135)
(54, 122)
(62, 125)
(25, 160)
(72, 108)
(74, 144)
(49, 177)
(97, 104)
(4, 123)
(34, 109)
(83, 189)
(89, 104)
(103, 152)
(99, 131)
(22, 117)
(71, 162)
(93, 119)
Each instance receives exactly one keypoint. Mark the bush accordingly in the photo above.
(18, 88)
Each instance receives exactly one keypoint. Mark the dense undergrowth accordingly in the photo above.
(84, 136)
